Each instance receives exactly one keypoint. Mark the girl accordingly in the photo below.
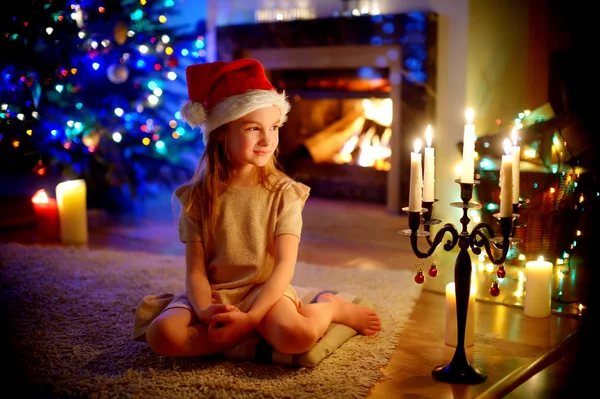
(241, 222)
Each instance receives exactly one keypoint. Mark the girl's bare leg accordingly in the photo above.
(293, 331)
(177, 332)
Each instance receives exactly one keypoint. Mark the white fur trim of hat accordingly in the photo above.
(233, 108)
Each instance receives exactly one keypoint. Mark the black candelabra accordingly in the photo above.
(459, 370)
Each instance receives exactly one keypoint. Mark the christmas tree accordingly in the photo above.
(85, 92)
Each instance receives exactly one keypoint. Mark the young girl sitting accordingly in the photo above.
(241, 221)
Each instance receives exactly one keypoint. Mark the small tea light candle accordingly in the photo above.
(451, 326)
(416, 179)
(72, 211)
(538, 288)
(46, 216)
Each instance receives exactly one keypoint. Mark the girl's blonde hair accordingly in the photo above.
(213, 174)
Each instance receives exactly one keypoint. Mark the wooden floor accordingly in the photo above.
(509, 346)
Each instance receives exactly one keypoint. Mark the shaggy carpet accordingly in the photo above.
(68, 319)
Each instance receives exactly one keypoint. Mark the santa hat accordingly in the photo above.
(222, 92)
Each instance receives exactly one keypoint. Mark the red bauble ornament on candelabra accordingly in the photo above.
(433, 271)
(501, 273)
(419, 278)
(495, 289)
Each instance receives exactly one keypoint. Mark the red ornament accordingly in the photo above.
(433, 271)
(419, 278)
(495, 290)
(501, 273)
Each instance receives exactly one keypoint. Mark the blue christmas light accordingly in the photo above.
(137, 15)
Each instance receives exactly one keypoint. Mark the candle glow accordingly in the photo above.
(40, 197)
(417, 146)
(428, 135)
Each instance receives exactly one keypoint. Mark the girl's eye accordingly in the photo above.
(253, 128)
(275, 127)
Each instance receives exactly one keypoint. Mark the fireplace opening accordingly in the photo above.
(338, 136)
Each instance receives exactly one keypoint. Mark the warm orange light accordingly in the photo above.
(40, 197)
(469, 115)
(428, 135)
(418, 145)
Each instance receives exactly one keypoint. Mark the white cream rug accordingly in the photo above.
(68, 319)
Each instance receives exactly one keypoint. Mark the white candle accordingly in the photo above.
(506, 182)
(72, 211)
(416, 179)
(538, 288)
(468, 158)
(516, 154)
(428, 178)
(451, 326)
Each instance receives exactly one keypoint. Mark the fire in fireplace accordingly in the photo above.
(369, 141)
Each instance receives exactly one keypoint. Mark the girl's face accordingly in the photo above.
(252, 139)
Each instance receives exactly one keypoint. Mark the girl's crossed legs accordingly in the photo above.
(177, 332)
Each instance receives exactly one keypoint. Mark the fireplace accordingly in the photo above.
(361, 91)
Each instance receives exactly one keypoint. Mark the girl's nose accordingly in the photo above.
(265, 140)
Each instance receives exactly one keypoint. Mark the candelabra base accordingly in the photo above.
(464, 374)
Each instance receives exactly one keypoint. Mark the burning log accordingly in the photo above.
(323, 145)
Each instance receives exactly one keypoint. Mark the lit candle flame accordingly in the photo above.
(417, 146)
(469, 115)
(428, 135)
(541, 259)
(40, 197)
(515, 138)
(507, 145)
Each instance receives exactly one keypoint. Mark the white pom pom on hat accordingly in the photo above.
(221, 92)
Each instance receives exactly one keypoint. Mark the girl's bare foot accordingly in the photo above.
(360, 318)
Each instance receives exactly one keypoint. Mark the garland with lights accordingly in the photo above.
(556, 188)
(84, 93)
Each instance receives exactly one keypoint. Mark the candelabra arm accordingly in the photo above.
(439, 236)
(485, 242)
(479, 239)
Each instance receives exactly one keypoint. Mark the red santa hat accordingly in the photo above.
(222, 92)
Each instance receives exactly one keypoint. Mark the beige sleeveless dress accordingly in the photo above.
(241, 258)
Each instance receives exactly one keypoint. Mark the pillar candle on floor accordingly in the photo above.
(72, 211)
(46, 216)
(451, 326)
(538, 288)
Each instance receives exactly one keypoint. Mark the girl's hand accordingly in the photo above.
(229, 327)
(206, 315)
